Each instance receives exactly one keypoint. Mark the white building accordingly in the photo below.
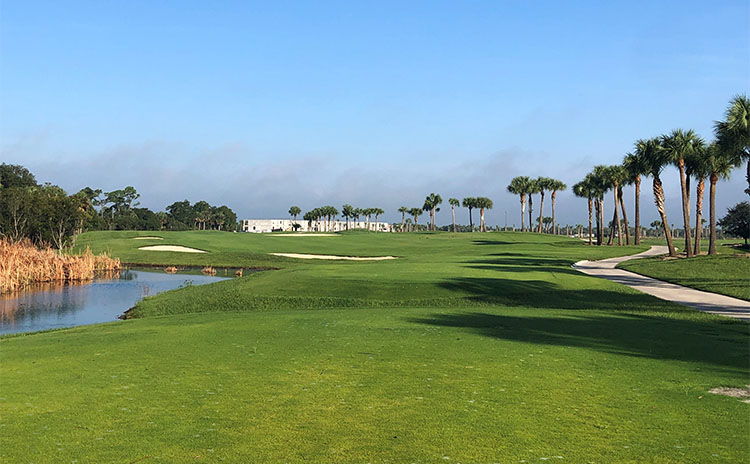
(286, 225)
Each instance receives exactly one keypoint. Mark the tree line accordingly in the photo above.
(45, 213)
(694, 158)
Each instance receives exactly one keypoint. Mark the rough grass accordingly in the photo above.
(471, 348)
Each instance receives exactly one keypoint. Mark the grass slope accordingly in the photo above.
(727, 273)
(470, 348)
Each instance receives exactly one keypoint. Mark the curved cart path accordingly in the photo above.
(704, 301)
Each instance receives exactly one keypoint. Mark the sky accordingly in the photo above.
(264, 105)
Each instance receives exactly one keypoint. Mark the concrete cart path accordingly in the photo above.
(704, 301)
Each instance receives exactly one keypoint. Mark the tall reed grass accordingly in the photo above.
(22, 264)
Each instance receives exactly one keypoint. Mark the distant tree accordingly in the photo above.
(583, 190)
(555, 185)
(532, 188)
(431, 203)
(520, 186)
(294, 211)
(470, 203)
(348, 212)
(454, 202)
(403, 210)
(737, 221)
(544, 183)
(377, 212)
(482, 203)
(415, 213)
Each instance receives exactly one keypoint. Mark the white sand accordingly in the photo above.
(333, 257)
(148, 238)
(302, 235)
(177, 248)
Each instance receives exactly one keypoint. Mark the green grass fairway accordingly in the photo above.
(727, 273)
(468, 348)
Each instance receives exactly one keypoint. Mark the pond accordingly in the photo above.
(55, 306)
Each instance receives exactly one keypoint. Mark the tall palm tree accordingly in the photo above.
(531, 188)
(520, 186)
(470, 202)
(377, 212)
(483, 203)
(403, 210)
(720, 164)
(415, 212)
(347, 211)
(636, 167)
(678, 146)
(431, 203)
(655, 159)
(583, 190)
(733, 134)
(454, 202)
(294, 211)
(698, 165)
(555, 185)
(544, 183)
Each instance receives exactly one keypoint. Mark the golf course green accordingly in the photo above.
(467, 347)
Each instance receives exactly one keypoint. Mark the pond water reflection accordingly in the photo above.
(52, 306)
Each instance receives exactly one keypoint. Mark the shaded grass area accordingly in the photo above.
(416, 385)
(469, 348)
(727, 274)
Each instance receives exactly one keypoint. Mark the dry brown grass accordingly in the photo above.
(208, 270)
(22, 264)
(170, 269)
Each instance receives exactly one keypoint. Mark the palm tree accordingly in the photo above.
(720, 164)
(555, 185)
(532, 188)
(699, 166)
(543, 183)
(431, 203)
(454, 202)
(403, 210)
(415, 212)
(520, 186)
(733, 134)
(294, 211)
(377, 212)
(636, 166)
(583, 190)
(655, 159)
(357, 213)
(678, 146)
(347, 211)
(482, 203)
(470, 202)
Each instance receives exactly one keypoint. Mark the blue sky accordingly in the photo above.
(261, 105)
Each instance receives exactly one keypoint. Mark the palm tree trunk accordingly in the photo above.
(531, 212)
(685, 207)
(611, 238)
(638, 210)
(541, 212)
(590, 228)
(432, 219)
(699, 189)
(554, 224)
(471, 223)
(523, 212)
(659, 202)
(481, 220)
(617, 215)
(403, 218)
(712, 213)
(624, 218)
(453, 215)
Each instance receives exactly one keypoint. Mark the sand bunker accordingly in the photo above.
(148, 238)
(303, 235)
(177, 248)
(740, 393)
(334, 257)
